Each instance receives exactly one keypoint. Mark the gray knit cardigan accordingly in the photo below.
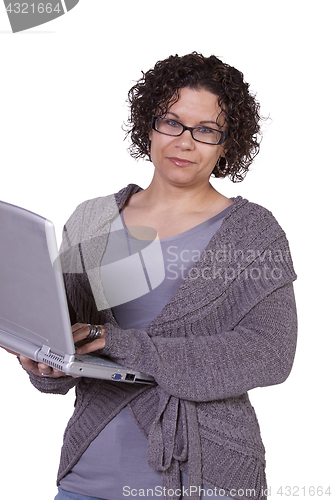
(230, 327)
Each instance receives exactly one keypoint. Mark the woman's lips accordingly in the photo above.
(180, 162)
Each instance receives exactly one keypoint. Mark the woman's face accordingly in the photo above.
(181, 160)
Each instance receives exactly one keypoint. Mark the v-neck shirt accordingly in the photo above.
(180, 252)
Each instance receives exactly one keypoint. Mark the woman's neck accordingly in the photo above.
(171, 210)
(180, 199)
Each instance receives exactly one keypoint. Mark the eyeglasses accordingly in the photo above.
(203, 134)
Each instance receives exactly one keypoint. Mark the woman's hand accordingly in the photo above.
(40, 369)
(84, 345)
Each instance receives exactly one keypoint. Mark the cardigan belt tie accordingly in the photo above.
(163, 455)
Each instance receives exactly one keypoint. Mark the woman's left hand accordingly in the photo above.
(83, 344)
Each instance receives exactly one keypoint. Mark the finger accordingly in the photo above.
(58, 373)
(47, 371)
(52, 374)
(78, 326)
(44, 370)
(28, 364)
(80, 333)
(96, 345)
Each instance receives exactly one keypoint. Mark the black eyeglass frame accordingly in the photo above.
(221, 141)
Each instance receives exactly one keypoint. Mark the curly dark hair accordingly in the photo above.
(158, 90)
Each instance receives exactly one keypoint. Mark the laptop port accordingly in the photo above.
(130, 376)
(116, 376)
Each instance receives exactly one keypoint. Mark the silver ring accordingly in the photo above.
(46, 374)
(92, 332)
(95, 332)
(98, 333)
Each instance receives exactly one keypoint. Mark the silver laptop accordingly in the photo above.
(34, 317)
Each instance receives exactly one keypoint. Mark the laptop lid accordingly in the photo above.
(31, 306)
(34, 318)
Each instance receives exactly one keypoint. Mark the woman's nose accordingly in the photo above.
(185, 140)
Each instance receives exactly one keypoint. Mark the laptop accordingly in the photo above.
(34, 316)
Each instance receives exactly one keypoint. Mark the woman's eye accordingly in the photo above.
(204, 130)
(171, 123)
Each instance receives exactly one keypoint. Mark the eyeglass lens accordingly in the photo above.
(202, 134)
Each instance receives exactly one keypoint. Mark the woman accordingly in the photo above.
(221, 322)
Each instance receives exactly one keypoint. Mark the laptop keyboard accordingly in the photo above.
(94, 360)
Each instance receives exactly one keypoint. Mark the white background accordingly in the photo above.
(62, 103)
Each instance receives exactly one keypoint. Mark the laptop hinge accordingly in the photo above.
(54, 359)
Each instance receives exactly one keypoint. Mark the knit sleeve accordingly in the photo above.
(53, 385)
(258, 352)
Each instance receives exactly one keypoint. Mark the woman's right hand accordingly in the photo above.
(40, 369)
